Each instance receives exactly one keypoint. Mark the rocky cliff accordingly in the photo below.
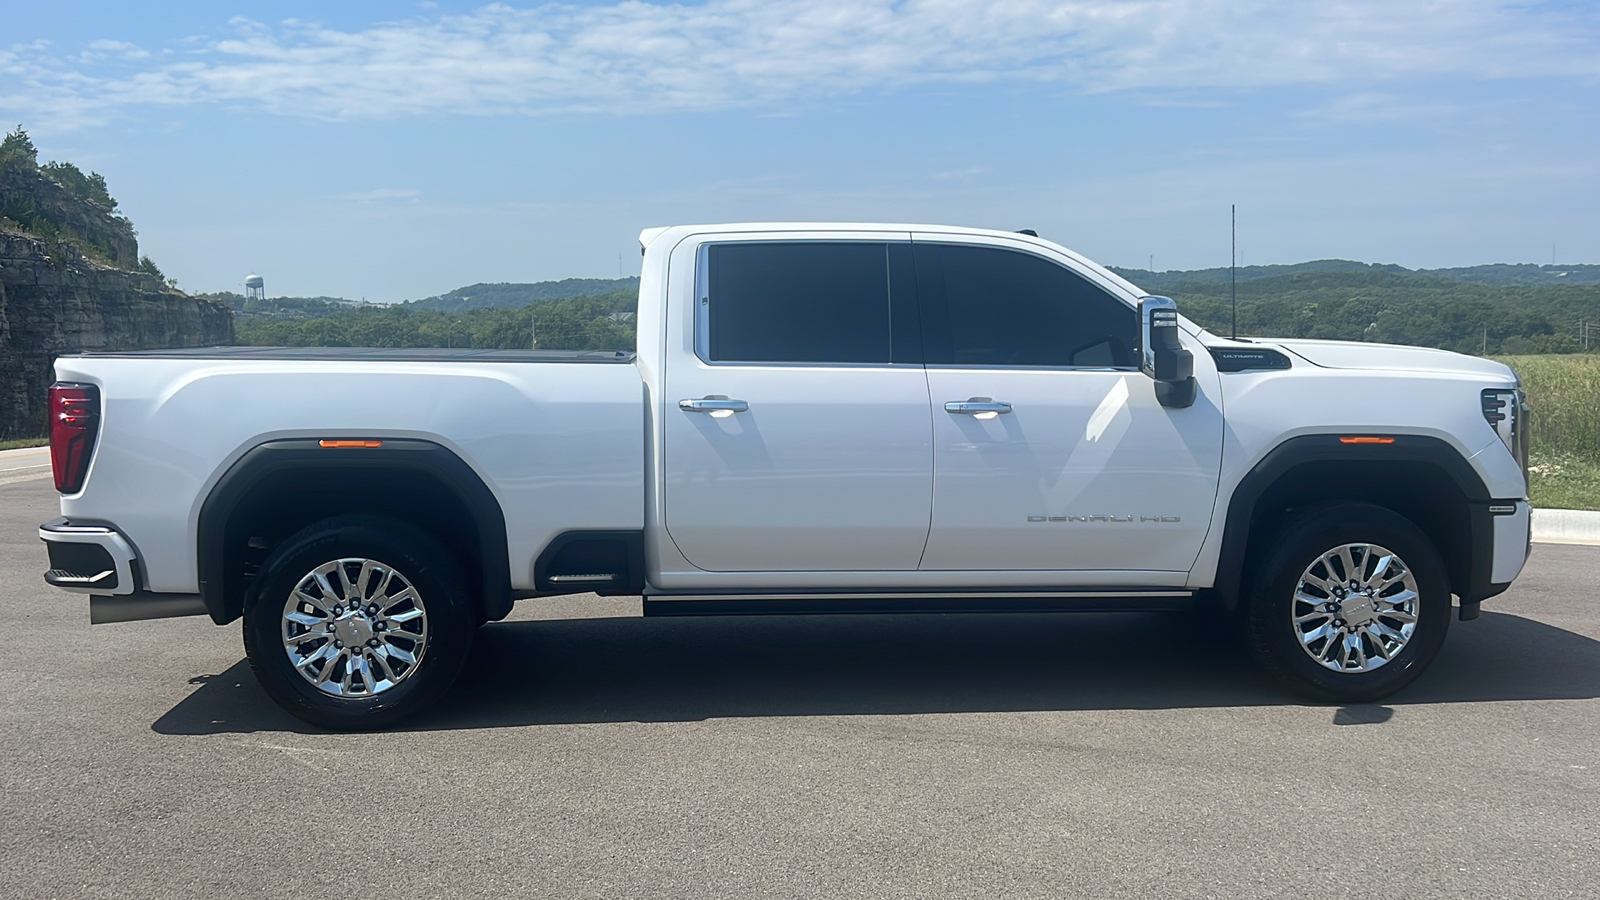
(54, 300)
(71, 279)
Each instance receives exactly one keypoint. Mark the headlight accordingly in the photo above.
(1506, 410)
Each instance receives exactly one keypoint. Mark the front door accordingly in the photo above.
(1051, 451)
(794, 441)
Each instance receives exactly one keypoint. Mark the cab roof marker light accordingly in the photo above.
(338, 445)
(1365, 439)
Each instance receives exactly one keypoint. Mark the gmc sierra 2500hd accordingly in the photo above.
(819, 418)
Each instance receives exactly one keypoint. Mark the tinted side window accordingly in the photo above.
(799, 302)
(984, 306)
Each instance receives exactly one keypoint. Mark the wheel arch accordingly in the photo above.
(279, 487)
(1421, 478)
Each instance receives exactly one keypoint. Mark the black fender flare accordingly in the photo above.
(222, 586)
(1316, 448)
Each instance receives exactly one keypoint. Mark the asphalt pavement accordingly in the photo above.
(589, 752)
(24, 465)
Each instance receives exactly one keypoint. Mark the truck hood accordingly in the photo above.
(1392, 357)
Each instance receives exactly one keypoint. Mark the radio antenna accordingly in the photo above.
(1233, 265)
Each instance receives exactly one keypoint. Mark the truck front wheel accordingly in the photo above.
(1350, 604)
(357, 622)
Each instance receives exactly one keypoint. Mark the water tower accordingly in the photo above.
(255, 288)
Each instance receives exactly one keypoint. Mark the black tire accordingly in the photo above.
(414, 556)
(1303, 537)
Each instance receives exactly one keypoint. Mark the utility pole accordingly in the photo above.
(1233, 263)
(533, 326)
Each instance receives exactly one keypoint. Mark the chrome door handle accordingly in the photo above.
(978, 406)
(715, 403)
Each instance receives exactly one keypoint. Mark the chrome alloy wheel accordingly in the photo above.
(1355, 607)
(354, 628)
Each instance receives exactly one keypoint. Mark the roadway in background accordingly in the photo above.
(589, 752)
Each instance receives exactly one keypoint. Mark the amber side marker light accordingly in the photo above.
(336, 445)
(1366, 440)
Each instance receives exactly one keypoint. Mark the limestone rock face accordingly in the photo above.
(32, 200)
(54, 301)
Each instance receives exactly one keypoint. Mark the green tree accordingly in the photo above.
(17, 148)
(90, 187)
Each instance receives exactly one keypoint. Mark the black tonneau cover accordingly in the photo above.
(370, 354)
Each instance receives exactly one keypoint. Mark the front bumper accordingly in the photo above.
(1501, 541)
(1513, 540)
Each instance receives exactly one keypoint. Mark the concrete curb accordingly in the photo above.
(1566, 526)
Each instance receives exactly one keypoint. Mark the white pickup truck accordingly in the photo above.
(820, 418)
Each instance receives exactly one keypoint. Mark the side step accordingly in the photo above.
(597, 578)
(609, 563)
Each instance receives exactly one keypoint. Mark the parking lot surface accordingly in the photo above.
(589, 752)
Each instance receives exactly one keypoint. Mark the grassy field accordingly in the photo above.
(24, 442)
(1564, 392)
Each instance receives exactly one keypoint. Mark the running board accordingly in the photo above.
(989, 602)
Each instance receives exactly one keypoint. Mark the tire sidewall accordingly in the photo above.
(416, 556)
(1311, 532)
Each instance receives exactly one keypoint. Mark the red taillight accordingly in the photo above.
(74, 422)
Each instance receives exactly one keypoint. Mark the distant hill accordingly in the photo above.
(1402, 307)
(1523, 273)
(1496, 274)
(514, 295)
(284, 307)
(506, 295)
(1482, 309)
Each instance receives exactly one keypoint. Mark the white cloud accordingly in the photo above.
(1377, 106)
(638, 58)
(378, 194)
(99, 50)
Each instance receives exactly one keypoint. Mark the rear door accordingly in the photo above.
(798, 435)
(1051, 451)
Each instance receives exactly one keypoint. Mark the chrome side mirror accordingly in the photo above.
(1162, 355)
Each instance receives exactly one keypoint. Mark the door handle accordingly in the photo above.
(980, 407)
(717, 405)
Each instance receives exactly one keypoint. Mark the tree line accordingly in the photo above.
(1370, 305)
(1396, 308)
(603, 322)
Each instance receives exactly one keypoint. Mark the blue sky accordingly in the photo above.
(397, 150)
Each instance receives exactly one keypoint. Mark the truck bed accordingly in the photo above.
(557, 436)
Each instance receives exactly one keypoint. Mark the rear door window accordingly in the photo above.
(797, 302)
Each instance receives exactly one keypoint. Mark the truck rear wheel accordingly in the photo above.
(1351, 603)
(357, 622)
